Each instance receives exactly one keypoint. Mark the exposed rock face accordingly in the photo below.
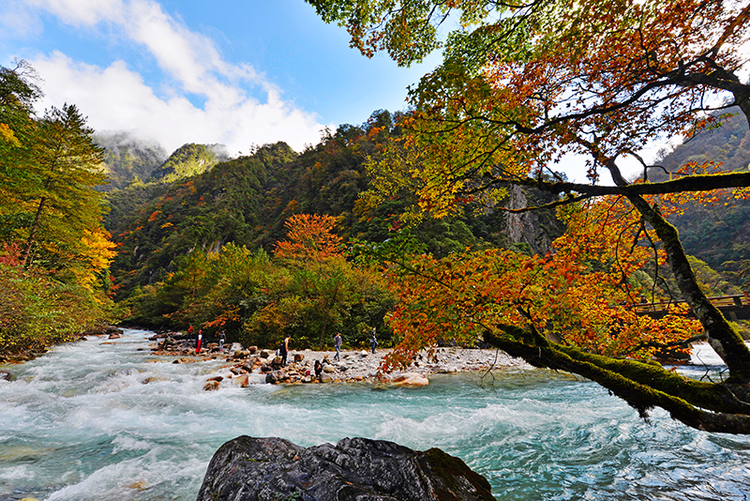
(356, 469)
(537, 229)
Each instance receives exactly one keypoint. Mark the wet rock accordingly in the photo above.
(211, 385)
(276, 362)
(264, 469)
(263, 354)
(298, 357)
(184, 360)
(410, 379)
(6, 376)
(153, 379)
(241, 381)
(277, 376)
(169, 342)
(115, 335)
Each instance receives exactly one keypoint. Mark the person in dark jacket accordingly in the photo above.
(284, 350)
(337, 343)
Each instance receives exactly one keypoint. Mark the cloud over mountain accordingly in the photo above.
(196, 94)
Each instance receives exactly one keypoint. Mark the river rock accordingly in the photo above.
(184, 360)
(298, 357)
(102, 330)
(410, 379)
(356, 469)
(274, 377)
(6, 376)
(211, 385)
(241, 381)
(240, 354)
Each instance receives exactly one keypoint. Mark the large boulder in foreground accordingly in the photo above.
(355, 469)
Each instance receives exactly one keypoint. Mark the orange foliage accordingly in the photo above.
(578, 296)
(309, 237)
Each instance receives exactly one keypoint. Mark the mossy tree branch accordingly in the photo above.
(639, 394)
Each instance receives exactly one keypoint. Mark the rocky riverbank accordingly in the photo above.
(254, 365)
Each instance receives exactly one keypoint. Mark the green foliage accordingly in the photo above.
(714, 232)
(189, 160)
(37, 310)
(202, 212)
(55, 253)
(257, 300)
(128, 160)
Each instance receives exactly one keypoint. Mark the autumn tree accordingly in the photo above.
(524, 86)
(54, 252)
(310, 237)
(324, 291)
(306, 290)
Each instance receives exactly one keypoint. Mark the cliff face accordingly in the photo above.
(537, 229)
(265, 469)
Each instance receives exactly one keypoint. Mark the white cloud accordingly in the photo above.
(81, 12)
(116, 97)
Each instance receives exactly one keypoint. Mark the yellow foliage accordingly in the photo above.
(98, 251)
(7, 135)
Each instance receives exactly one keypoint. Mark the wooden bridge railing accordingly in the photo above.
(721, 302)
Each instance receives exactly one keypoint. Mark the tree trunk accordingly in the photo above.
(32, 233)
(722, 337)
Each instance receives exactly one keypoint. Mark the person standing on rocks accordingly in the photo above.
(284, 349)
(373, 340)
(337, 344)
(222, 338)
(198, 341)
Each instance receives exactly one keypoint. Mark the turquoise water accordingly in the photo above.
(79, 424)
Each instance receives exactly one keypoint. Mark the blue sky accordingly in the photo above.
(236, 72)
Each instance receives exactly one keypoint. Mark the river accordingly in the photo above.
(80, 424)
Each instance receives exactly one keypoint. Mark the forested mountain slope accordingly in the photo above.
(247, 200)
(127, 159)
(717, 233)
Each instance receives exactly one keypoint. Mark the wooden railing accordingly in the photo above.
(721, 302)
